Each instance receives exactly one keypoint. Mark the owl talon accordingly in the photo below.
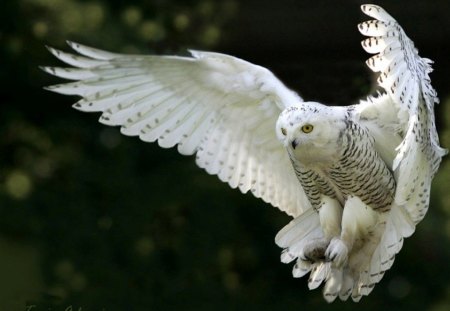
(337, 252)
(314, 250)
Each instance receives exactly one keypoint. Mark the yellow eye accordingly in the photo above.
(283, 131)
(307, 128)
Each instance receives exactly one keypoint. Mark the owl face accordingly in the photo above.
(310, 132)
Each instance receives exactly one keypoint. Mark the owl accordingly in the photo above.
(355, 179)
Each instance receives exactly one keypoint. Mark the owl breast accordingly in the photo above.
(357, 170)
(362, 172)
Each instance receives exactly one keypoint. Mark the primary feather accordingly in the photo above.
(355, 179)
(220, 107)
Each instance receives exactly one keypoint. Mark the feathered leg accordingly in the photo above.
(358, 221)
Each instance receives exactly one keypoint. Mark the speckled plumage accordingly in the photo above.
(355, 179)
(357, 168)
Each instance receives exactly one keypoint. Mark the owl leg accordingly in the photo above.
(330, 217)
(357, 222)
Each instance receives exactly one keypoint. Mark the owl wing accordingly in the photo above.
(221, 108)
(402, 122)
(407, 111)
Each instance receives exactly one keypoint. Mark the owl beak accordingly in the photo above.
(294, 143)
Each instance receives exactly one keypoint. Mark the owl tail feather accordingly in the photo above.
(293, 238)
(365, 266)
(359, 275)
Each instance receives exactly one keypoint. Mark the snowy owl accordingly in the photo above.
(355, 179)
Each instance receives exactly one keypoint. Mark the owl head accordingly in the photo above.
(311, 132)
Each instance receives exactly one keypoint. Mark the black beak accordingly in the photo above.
(294, 143)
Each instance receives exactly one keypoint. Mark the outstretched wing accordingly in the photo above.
(220, 107)
(402, 123)
(411, 98)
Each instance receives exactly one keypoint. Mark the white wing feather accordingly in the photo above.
(404, 77)
(220, 107)
(402, 123)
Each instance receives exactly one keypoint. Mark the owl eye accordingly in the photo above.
(283, 131)
(307, 128)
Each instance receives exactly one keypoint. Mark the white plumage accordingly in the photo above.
(355, 179)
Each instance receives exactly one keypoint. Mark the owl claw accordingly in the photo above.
(337, 252)
(314, 250)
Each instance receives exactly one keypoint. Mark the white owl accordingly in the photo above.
(355, 179)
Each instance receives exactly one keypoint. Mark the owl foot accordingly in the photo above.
(337, 252)
(314, 250)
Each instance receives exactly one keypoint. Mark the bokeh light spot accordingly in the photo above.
(144, 246)
(71, 20)
(211, 35)
(94, 15)
(181, 21)
(206, 8)
(131, 16)
(18, 185)
(151, 30)
(40, 29)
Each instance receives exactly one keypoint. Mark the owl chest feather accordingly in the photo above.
(356, 170)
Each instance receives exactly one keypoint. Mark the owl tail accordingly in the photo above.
(293, 238)
(368, 268)
(365, 267)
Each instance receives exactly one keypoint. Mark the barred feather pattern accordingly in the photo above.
(358, 170)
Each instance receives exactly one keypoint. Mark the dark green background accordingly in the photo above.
(91, 220)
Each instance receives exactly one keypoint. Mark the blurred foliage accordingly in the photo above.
(163, 24)
(96, 221)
